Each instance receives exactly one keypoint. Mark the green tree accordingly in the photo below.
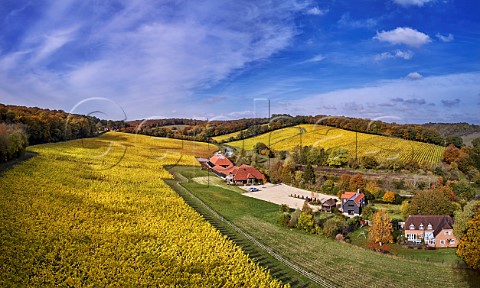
(316, 156)
(309, 175)
(405, 208)
(455, 140)
(462, 217)
(328, 187)
(432, 202)
(333, 226)
(463, 190)
(368, 162)
(381, 230)
(338, 157)
(468, 246)
(476, 142)
(367, 212)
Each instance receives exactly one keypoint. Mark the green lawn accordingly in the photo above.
(330, 259)
(394, 211)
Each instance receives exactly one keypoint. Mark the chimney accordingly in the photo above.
(358, 191)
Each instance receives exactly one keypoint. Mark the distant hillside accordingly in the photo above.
(379, 147)
(468, 132)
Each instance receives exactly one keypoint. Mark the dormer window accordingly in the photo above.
(421, 226)
(412, 227)
(429, 227)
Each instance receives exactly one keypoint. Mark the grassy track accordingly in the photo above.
(380, 147)
(327, 258)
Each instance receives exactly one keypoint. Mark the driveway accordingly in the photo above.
(279, 194)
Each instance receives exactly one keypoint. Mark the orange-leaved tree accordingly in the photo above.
(381, 230)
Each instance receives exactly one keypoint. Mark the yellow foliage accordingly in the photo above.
(96, 212)
(380, 147)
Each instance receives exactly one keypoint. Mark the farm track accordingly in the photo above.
(255, 249)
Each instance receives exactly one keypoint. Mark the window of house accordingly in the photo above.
(452, 241)
(442, 242)
(421, 226)
(447, 232)
(429, 227)
(412, 227)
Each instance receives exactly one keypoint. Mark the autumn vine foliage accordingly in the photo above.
(76, 216)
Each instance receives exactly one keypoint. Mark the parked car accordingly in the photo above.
(253, 189)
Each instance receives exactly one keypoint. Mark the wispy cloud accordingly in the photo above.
(411, 101)
(412, 2)
(447, 38)
(347, 22)
(317, 11)
(451, 103)
(403, 35)
(406, 55)
(141, 54)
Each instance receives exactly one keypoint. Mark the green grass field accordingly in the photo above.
(380, 147)
(330, 259)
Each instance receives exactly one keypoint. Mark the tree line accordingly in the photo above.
(22, 126)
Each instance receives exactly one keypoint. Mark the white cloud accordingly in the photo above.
(412, 2)
(407, 55)
(143, 55)
(317, 11)
(403, 35)
(395, 98)
(443, 38)
(414, 76)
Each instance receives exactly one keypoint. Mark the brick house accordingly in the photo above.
(434, 231)
(353, 202)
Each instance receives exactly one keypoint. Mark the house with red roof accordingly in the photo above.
(225, 169)
(353, 202)
(218, 159)
(434, 231)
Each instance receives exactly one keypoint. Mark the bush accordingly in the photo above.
(333, 226)
(13, 141)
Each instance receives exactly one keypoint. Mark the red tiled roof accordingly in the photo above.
(219, 159)
(349, 195)
(246, 172)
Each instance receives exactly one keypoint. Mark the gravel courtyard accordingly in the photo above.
(279, 194)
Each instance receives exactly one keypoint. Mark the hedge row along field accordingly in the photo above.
(96, 212)
(380, 147)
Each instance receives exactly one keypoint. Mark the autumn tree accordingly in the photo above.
(357, 182)
(451, 153)
(381, 230)
(462, 217)
(388, 197)
(432, 202)
(468, 246)
(305, 220)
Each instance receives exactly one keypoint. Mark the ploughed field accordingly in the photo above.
(96, 212)
(380, 147)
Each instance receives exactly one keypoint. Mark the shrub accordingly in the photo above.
(333, 226)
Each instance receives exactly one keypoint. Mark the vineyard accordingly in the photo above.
(380, 147)
(96, 212)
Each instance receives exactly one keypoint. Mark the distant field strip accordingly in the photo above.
(97, 213)
(380, 147)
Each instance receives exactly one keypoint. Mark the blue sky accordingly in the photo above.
(404, 61)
